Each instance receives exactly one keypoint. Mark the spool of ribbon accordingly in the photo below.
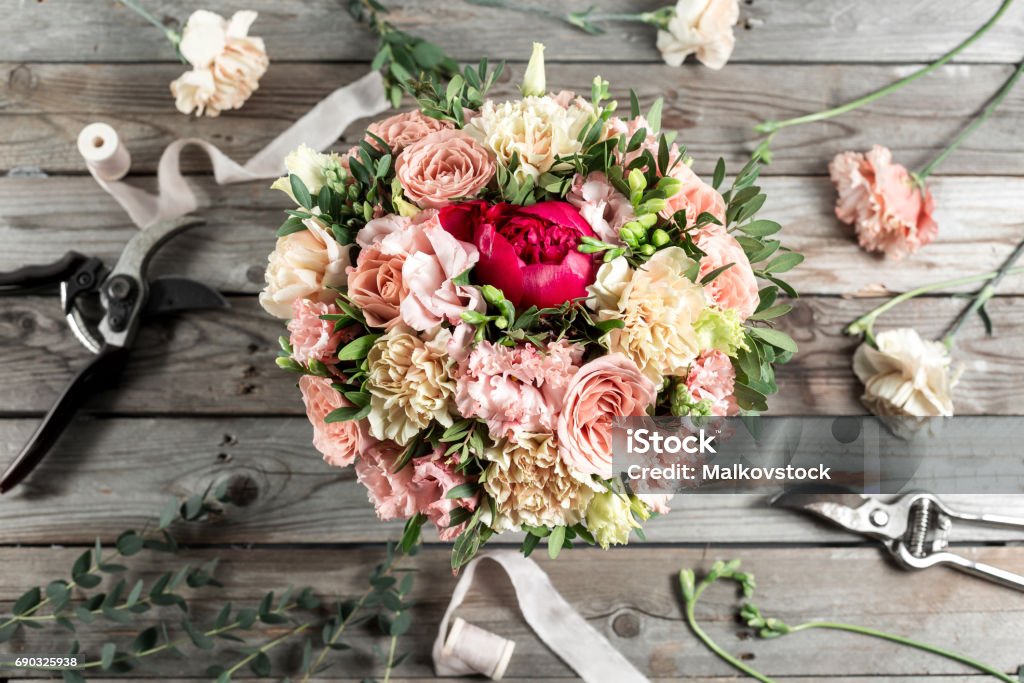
(478, 649)
(101, 147)
(320, 127)
(551, 617)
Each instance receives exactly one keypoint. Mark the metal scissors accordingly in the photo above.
(914, 528)
(103, 307)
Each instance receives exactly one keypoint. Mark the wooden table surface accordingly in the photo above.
(202, 401)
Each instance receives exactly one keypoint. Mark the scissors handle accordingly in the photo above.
(35, 276)
(985, 571)
(94, 377)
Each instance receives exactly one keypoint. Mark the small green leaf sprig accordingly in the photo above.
(768, 627)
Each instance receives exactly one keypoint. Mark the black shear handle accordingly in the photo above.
(32, 277)
(93, 378)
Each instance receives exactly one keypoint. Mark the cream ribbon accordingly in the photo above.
(319, 128)
(553, 619)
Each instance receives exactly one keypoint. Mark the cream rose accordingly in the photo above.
(304, 265)
(410, 383)
(906, 375)
(227, 63)
(701, 27)
(444, 166)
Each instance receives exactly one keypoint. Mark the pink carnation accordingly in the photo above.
(393, 494)
(339, 442)
(887, 208)
(516, 389)
(601, 205)
(401, 130)
(312, 338)
(736, 287)
(712, 377)
(433, 477)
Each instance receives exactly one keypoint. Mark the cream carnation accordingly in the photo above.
(538, 129)
(531, 485)
(304, 265)
(906, 375)
(659, 306)
(409, 382)
(703, 27)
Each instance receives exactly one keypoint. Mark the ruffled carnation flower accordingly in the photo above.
(516, 389)
(401, 130)
(658, 305)
(694, 198)
(887, 208)
(601, 205)
(304, 265)
(701, 27)
(376, 286)
(339, 442)
(433, 478)
(708, 387)
(906, 375)
(610, 519)
(735, 287)
(606, 387)
(532, 485)
(392, 493)
(442, 167)
(311, 337)
(227, 63)
(538, 129)
(409, 383)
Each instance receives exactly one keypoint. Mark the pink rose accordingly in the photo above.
(433, 476)
(712, 377)
(442, 167)
(517, 389)
(528, 252)
(339, 442)
(376, 286)
(393, 494)
(888, 209)
(402, 130)
(380, 229)
(601, 205)
(736, 287)
(606, 387)
(694, 197)
(428, 273)
(312, 338)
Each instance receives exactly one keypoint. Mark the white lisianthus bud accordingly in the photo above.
(310, 166)
(533, 80)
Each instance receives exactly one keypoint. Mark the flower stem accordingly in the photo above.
(983, 295)
(334, 638)
(171, 35)
(771, 126)
(933, 649)
(266, 647)
(974, 125)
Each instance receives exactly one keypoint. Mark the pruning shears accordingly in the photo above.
(104, 307)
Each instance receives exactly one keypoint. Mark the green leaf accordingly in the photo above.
(555, 541)
(291, 225)
(145, 640)
(29, 600)
(778, 339)
(750, 399)
(427, 55)
(169, 513)
(107, 655)
(760, 228)
(129, 543)
(400, 624)
(198, 638)
(348, 413)
(771, 312)
(358, 348)
(301, 192)
(529, 544)
(654, 115)
(719, 176)
(784, 262)
(634, 104)
(715, 273)
(462, 491)
(260, 665)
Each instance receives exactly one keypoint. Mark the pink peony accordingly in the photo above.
(442, 167)
(712, 377)
(736, 287)
(889, 210)
(376, 286)
(694, 197)
(401, 130)
(339, 442)
(393, 494)
(528, 252)
(312, 338)
(433, 476)
(606, 387)
(517, 389)
(601, 205)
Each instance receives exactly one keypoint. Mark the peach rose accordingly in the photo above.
(312, 338)
(401, 130)
(605, 387)
(444, 166)
(735, 287)
(601, 205)
(339, 442)
(887, 208)
(376, 286)
(304, 265)
(703, 27)
(694, 197)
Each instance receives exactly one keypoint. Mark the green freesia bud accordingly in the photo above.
(660, 238)
(288, 364)
(534, 80)
(653, 205)
(647, 249)
(637, 181)
(647, 220)
(671, 186)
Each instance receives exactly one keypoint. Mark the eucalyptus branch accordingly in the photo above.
(264, 649)
(171, 34)
(584, 20)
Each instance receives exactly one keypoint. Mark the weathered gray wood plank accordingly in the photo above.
(631, 597)
(778, 31)
(46, 105)
(107, 475)
(979, 220)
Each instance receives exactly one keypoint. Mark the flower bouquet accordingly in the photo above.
(478, 287)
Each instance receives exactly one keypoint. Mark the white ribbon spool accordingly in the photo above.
(100, 146)
(478, 649)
